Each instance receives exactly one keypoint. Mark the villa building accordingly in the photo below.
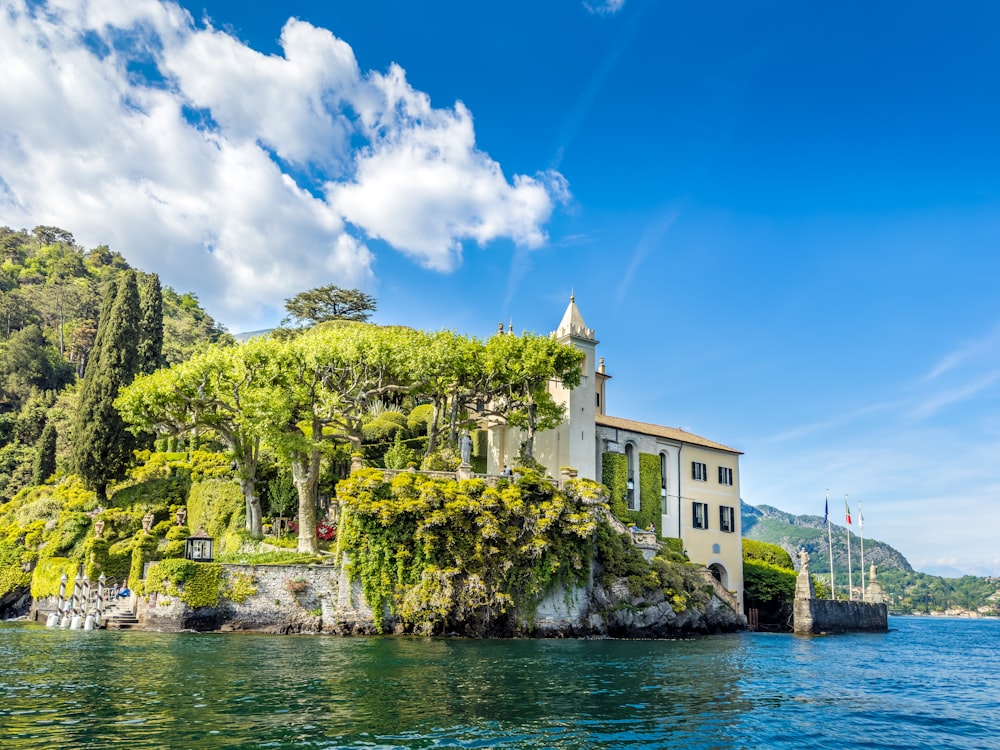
(688, 487)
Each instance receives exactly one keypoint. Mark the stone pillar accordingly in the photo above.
(874, 595)
(464, 471)
(802, 617)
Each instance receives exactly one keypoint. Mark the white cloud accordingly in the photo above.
(230, 172)
(607, 7)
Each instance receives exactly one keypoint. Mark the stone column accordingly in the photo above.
(802, 617)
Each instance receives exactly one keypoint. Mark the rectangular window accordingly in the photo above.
(700, 515)
(727, 518)
(699, 471)
(725, 475)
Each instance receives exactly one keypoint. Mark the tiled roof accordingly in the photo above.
(671, 433)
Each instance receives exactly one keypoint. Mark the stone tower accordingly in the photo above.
(576, 443)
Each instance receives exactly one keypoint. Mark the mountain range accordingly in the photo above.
(790, 532)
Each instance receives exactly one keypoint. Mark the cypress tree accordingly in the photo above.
(102, 446)
(151, 325)
(45, 456)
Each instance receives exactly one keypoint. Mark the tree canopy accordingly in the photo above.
(326, 303)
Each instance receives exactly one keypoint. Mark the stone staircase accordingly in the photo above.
(120, 615)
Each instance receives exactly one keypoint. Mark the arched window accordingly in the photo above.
(631, 495)
(664, 506)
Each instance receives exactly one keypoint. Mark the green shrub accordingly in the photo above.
(766, 584)
(12, 574)
(419, 418)
(45, 579)
(772, 554)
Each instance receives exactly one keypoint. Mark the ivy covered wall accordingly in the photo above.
(614, 476)
(649, 492)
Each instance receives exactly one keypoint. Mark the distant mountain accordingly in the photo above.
(790, 532)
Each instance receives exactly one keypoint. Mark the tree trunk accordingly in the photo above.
(432, 428)
(305, 477)
(254, 512)
(529, 442)
(453, 419)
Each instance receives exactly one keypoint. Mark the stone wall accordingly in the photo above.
(321, 599)
(814, 616)
(286, 599)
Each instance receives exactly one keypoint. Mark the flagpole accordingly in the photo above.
(829, 538)
(850, 580)
(861, 532)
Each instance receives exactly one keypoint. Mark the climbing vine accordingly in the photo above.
(195, 584)
(438, 553)
(650, 501)
(614, 475)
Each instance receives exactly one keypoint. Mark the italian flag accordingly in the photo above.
(848, 508)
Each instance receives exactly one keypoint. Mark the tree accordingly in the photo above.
(151, 326)
(518, 371)
(45, 455)
(324, 383)
(327, 303)
(102, 446)
(223, 389)
(28, 362)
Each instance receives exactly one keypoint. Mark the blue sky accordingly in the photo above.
(782, 220)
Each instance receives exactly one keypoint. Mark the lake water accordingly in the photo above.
(931, 683)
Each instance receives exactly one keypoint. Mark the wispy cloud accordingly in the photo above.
(651, 236)
(242, 176)
(938, 401)
(607, 7)
(969, 350)
(584, 103)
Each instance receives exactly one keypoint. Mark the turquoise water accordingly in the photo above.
(927, 683)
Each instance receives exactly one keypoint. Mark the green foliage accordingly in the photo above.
(46, 577)
(399, 456)
(419, 419)
(45, 455)
(240, 587)
(439, 552)
(921, 592)
(195, 584)
(150, 348)
(15, 469)
(328, 303)
(650, 501)
(195, 464)
(102, 447)
(143, 551)
(680, 583)
(283, 557)
(12, 573)
(767, 585)
(614, 476)
(756, 551)
(216, 506)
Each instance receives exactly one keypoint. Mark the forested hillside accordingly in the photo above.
(51, 291)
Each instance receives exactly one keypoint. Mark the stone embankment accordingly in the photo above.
(321, 599)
